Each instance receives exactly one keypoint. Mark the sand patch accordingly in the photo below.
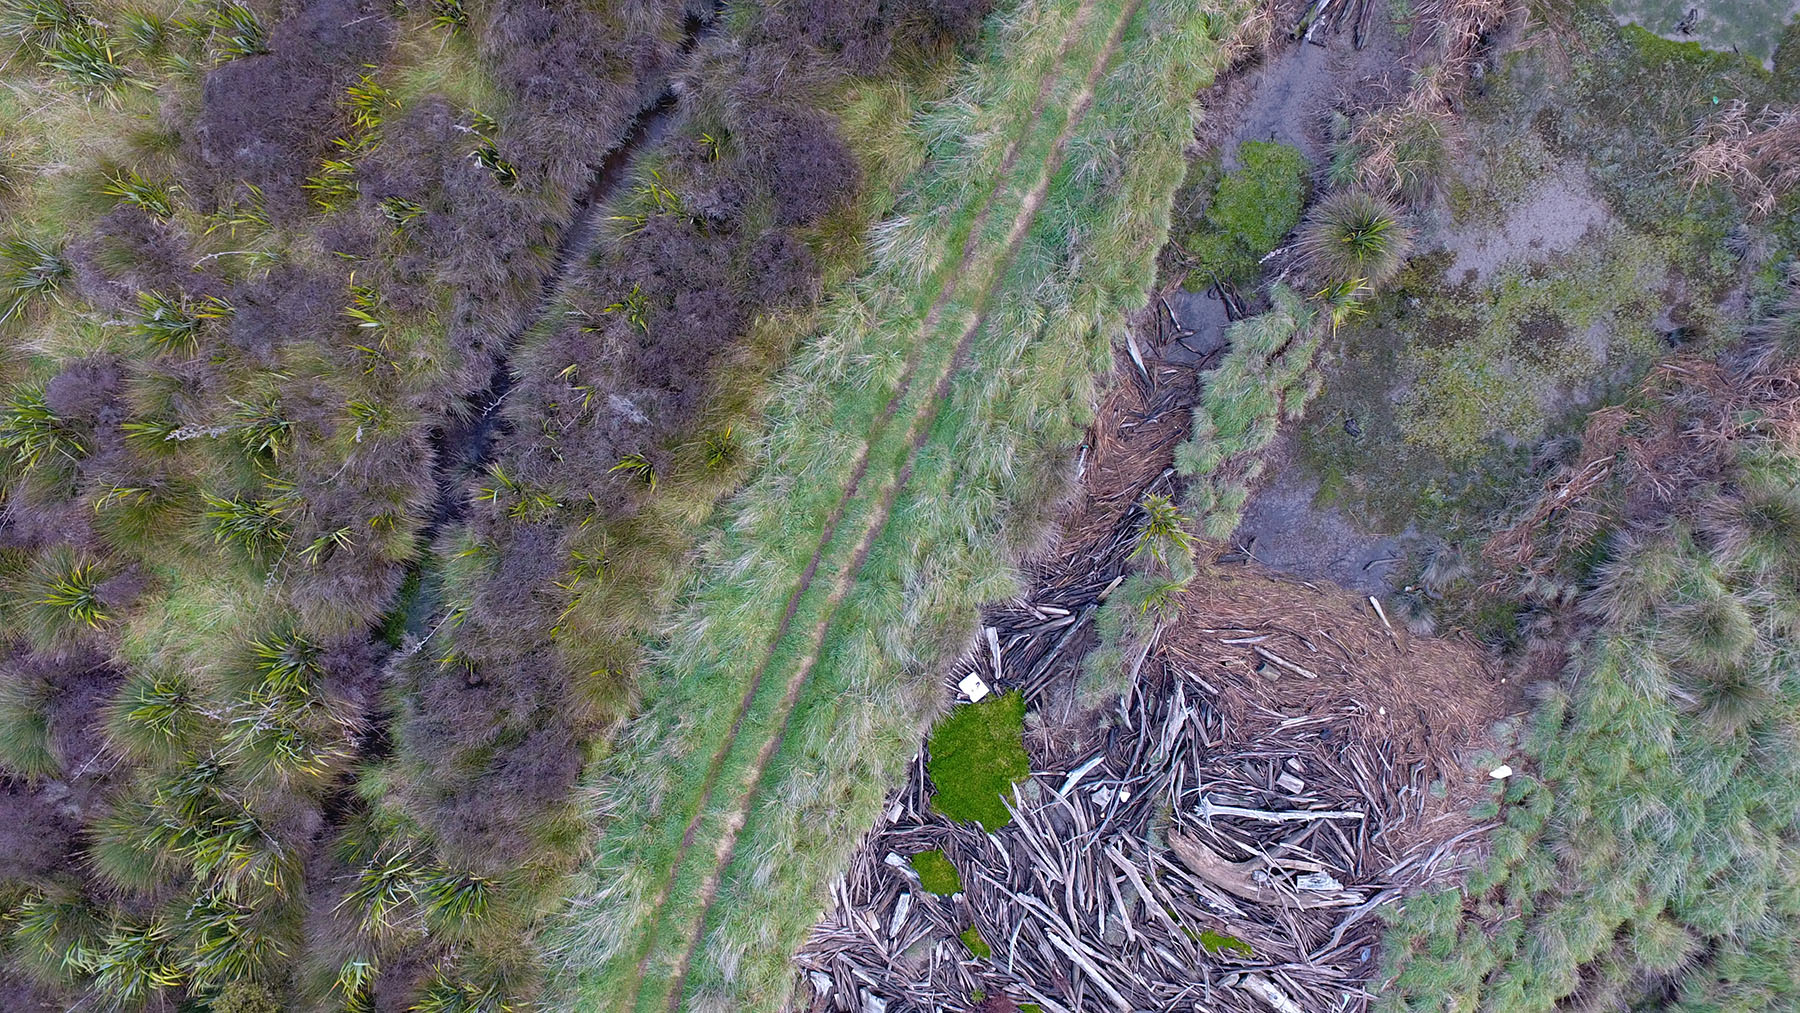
(1552, 218)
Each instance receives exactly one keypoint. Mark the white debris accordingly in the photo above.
(1319, 882)
(1501, 772)
(973, 687)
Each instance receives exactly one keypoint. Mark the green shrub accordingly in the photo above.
(1355, 235)
(936, 874)
(1251, 210)
(977, 755)
(31, 272)
(246, 997)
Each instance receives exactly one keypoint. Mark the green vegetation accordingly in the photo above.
(238, 302)
(831, 714)
(1354, 236)
(1252, 208)
(1220, 942)
(936, 873)
(977, 756)
(1649, 858)
(1265, 379)
(977, 946)
(1452, 386)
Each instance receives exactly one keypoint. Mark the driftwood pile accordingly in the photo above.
(1172, 866)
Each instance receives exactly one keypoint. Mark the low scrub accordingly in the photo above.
(1641, 857)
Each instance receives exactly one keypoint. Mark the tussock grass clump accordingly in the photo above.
(1355, 235)
(977, 754)
(1647, 853)
(1265, 378)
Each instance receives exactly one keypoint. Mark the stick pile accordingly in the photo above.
(1173, 866)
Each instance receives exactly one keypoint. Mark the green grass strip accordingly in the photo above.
(655, 779)
(975, 500)
(845, 386)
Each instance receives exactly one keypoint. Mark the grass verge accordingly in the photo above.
(935, 533)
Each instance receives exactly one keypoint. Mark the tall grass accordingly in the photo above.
(962, 508)
(1646, 858)
(1266, 378)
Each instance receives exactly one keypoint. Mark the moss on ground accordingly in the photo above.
(977, 945)
(1448, 398)
(1501, 363)
(1251, 209)
(936, 873)
(977, 755)
(1218, 942)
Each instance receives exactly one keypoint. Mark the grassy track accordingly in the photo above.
(691, 783)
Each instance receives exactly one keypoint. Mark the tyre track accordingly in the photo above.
(948, 291)
(918, 435)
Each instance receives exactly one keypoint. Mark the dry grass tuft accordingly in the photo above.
(1757, 155)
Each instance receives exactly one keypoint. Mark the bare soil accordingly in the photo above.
(1559, 212)
(1285, 528)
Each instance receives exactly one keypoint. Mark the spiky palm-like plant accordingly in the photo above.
(638, 465)
(256, 527)
(57, 934)
(287, 663)
(229, 942)
(87, 59)
(137, 961)
(456, 903)
(386, 894)
(35, 433)
(41, 22)
(1354, 234)
(156, 716)
(31, 272)
(237, 31)
(174, 323)
(127, 188)
(63, 598)
(1165, 536)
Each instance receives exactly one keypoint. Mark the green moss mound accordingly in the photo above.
(1251, 210)
(977, 945)
(936, 874)
(1218, 942)
(977, 755)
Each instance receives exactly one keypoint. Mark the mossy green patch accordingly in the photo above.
(1251, 209)
(1442, 396)
(977, 945)
(1752, 27)
(977, 755)
(936, 873)
(1218, 942)
(1505, 360)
